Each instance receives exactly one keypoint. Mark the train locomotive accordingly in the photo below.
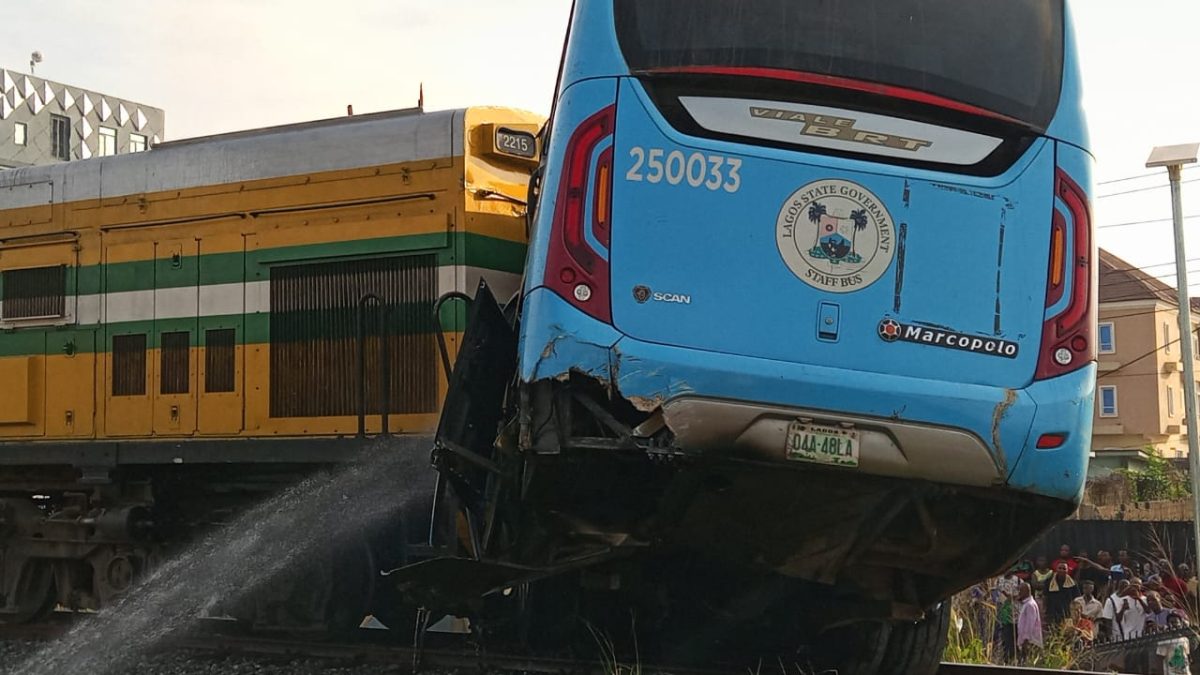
(188, 330)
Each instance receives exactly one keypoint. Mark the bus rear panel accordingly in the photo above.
(839, 255)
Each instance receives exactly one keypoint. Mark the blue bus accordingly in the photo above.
(807, 327)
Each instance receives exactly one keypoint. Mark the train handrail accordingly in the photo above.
(386, 374)
(441, 335)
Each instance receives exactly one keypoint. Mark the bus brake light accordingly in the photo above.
(575, 269)
(1068, 343)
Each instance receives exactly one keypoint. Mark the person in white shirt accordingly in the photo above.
(1087, 606)
(1126, 610)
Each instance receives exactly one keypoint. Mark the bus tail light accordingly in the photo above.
(1068, 341)
(577, 265)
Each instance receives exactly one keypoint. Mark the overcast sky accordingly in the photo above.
(221, 65)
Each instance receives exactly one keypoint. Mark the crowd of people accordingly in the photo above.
(1103, 599)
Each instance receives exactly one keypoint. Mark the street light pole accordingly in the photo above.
(1174, 157)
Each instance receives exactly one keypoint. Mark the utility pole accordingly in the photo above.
(1174, 157)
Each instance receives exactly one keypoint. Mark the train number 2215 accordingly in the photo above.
(676, 168)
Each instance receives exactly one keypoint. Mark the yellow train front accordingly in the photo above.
(183, 331)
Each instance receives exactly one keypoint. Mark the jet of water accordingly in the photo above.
(233, 561)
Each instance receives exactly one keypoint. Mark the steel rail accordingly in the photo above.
(966, 669)
(434, 659)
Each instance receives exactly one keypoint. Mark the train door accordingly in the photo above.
(71, 379)
(176, 314)
(129, 317)
(223, 300)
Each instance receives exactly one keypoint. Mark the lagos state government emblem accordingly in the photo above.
(836, 235)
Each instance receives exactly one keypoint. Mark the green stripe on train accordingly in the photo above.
(252, 329)
(228, 268)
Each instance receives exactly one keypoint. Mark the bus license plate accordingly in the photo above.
(822, 445)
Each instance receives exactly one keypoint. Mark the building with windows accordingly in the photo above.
(42, 122)
(1139, 396)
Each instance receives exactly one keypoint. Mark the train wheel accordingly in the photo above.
(916, 648)
(34, 596)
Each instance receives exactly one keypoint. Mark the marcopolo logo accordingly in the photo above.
(891, 330)
(836, 236)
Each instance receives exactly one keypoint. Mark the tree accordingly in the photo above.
(860, 223)
(815, 213)
(1159, 481)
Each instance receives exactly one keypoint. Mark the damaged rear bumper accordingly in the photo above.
(887, 447)
(921, 429)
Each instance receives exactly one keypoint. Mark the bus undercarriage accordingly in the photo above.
(571, 501)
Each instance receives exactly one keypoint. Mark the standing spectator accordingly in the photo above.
(1176, 583)
(1061, 591)
(1125, 566)
(1154, 584)
(1085, 611)
(1065, 558)
(1041, 574)
(1087, 606)
(1109, 629)
(1148, 569)
(1098, 571)
(1029, 621)
(1023, 569)
(1175, 654)
(1127, 610)
(1007, 591)
(1193, 584)
(1157, 617)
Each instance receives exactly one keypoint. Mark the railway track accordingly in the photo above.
(966, 669)
(431, 659)
(443, 659)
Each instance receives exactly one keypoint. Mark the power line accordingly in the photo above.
(1139, 177)
(1164, 264)
(1144, 222)
(1161, 276)
(1148, 354)
(1145, 189)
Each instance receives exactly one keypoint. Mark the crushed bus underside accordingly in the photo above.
(562, 480)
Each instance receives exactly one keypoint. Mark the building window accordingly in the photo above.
(137, 143)
(20, 134)
(1108, 338)
(60, 137)
(1108, 401)
(108, 142)
(1166, 338)
(1170, 402)
(34, 293)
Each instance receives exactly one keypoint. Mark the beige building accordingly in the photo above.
(1139, 396)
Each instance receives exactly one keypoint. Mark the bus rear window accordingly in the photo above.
(1005, 57)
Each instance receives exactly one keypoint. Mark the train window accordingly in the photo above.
(129, 365)
(176, 348)
(219, 361)
(35, 293)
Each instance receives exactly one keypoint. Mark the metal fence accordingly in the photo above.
(1143, 540)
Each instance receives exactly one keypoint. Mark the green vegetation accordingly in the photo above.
(972, 629)
(1159, 481)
